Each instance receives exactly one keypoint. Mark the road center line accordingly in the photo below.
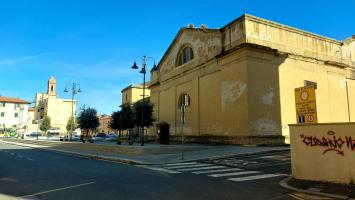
(58, 189)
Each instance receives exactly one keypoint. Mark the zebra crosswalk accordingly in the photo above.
(213, 170)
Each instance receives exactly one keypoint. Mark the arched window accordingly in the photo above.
(185, 55)
(51, 88)
(184, 100)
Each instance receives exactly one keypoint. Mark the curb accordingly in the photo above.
(134, 162)
(83, 155)
(284, 183)
(242, 154)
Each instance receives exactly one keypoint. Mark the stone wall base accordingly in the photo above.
(232, 140)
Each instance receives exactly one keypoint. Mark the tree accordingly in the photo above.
(126, 117)
(88, 120)
(116, 124)
(46, 124)
(147, 113)
(115, 121)
(71, 124)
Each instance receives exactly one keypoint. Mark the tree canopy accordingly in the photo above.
(115, 122)
(147, 113)
(87, 119)
(126, 117)
(71, 122)
(46, 124)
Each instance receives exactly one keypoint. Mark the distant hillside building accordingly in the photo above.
(13, 114)
(49, 104)
(238, 82)
(104, 124)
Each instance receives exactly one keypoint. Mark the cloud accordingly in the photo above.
(17, 60)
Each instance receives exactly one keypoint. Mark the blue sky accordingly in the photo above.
(95, 42)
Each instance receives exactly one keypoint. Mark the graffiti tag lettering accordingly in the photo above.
(331, 142)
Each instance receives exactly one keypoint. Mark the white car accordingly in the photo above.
(54, 131)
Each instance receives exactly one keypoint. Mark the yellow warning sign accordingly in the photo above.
(306, 108)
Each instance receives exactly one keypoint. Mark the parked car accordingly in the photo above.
(53, 137)
(74, 136)
(99, 137)
(54, 131)
(111, 136)
(33, 134)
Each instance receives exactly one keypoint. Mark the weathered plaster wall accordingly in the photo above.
(233, 34)
(295, 41)
(242, 79)
(205, 44)
(218, 93)
(167, 109)
(263, 92)
(323, 152)
(331, 92)
(191, 125)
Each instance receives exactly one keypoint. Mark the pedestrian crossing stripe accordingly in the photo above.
(249, 178)
(200, 168)
(162, 170)
(234, 173)
(212, 170)
(217, 170)
(177, 164)
(189, 166)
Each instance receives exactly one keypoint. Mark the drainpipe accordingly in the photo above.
(347, 98)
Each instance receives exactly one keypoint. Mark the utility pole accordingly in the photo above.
(75, 89)
(143, 71)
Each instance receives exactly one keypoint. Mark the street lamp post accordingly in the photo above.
(143, 71)
(75, 89)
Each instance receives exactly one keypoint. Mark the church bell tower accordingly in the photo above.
(52, 83)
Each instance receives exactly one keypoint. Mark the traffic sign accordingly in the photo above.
(306, 108)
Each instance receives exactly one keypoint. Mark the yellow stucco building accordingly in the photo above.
(134, 93)
(49, 104)
(235, 85)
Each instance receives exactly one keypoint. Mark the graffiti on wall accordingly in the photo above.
(331, 142)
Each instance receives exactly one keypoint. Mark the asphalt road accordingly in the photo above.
(36, 174)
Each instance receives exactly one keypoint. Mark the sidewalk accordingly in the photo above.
(149, 154)
(331, 190)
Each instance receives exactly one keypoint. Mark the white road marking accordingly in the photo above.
(234, 173)
(162, 170)
(217, 170)
(200, 168)
(58, 189)
(177, 164)
(248, 178)
(29, 159)
(189, 166)
(20, 156)
(12, 154)
(270, 164)
(26, 145)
